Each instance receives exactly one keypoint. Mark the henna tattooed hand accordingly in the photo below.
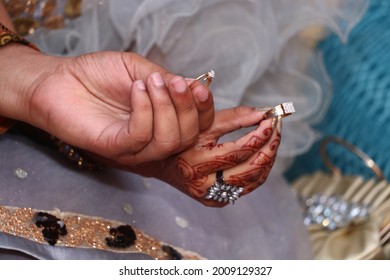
(245, 162)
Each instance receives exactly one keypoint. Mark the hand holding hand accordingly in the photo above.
(117, 105)
(245, 162)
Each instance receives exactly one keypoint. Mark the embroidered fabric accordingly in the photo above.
(61, 231)
(264, 225)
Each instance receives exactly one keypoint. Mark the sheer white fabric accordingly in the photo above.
(252, 46)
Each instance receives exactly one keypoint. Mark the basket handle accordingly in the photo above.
(370, 163)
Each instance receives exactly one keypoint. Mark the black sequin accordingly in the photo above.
(122, 237)
(172, 253)
(52, 227)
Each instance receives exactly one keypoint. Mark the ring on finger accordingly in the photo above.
(223, 192)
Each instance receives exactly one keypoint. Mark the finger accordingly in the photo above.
(140, 68)
(211, 158)
(140, 125)
(166, 130)
(186, 111)
(205, 105)
(136, 132)
(232, 119)
(253, 172)
(250, 175)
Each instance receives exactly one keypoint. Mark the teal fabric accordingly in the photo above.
(360, 108)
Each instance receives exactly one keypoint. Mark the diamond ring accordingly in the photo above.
(282, 110)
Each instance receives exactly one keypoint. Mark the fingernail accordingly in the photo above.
(202, 95)
(157, 79)
(140, 85)
(179, 84)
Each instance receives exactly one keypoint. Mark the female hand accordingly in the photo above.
(117, 105)
(245, 162)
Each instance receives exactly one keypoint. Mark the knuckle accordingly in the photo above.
(168, 147)
(241, 110)
(238, 110)
(139, 140)
(190, 108)
(189, 139)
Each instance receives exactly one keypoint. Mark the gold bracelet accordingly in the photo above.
(7, 36)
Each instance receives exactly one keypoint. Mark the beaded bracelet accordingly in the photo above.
(7, 36)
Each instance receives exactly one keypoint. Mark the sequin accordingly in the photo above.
(83, 232)
(20, 173)
(123, 237)
(53, 227)
(172, 253)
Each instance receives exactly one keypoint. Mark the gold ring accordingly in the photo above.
(280, 111)
(370, 163)
(207, 78)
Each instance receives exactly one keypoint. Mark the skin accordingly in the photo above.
(117, 105)
(245, 162)
(133, 114)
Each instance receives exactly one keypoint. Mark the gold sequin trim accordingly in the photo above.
(82, 232)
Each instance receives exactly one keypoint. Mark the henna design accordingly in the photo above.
(211, 166)
(258, 175)
(267, 132)
(185, 169)
(191, 180)
(221, 162)
(254, 143)
(235, 157)
(244, 178)
(275, 144)
(262, 165)
(265, 174)
(193, 177)
(262, 159)
(209, 146)
(194, 188)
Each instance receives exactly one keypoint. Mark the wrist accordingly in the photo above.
(22, 69)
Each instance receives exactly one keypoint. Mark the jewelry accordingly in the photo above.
(280, 111)
(63, 230)
(370, 163)
(332, 212)
(7, 36)
(75, 156)
(223, 192)
(206, 78)
(335, 208)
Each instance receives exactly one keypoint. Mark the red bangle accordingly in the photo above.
(7, 36)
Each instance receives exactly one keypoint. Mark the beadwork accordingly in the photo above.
(78, 231)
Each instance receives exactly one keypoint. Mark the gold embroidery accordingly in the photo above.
(82, 232)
